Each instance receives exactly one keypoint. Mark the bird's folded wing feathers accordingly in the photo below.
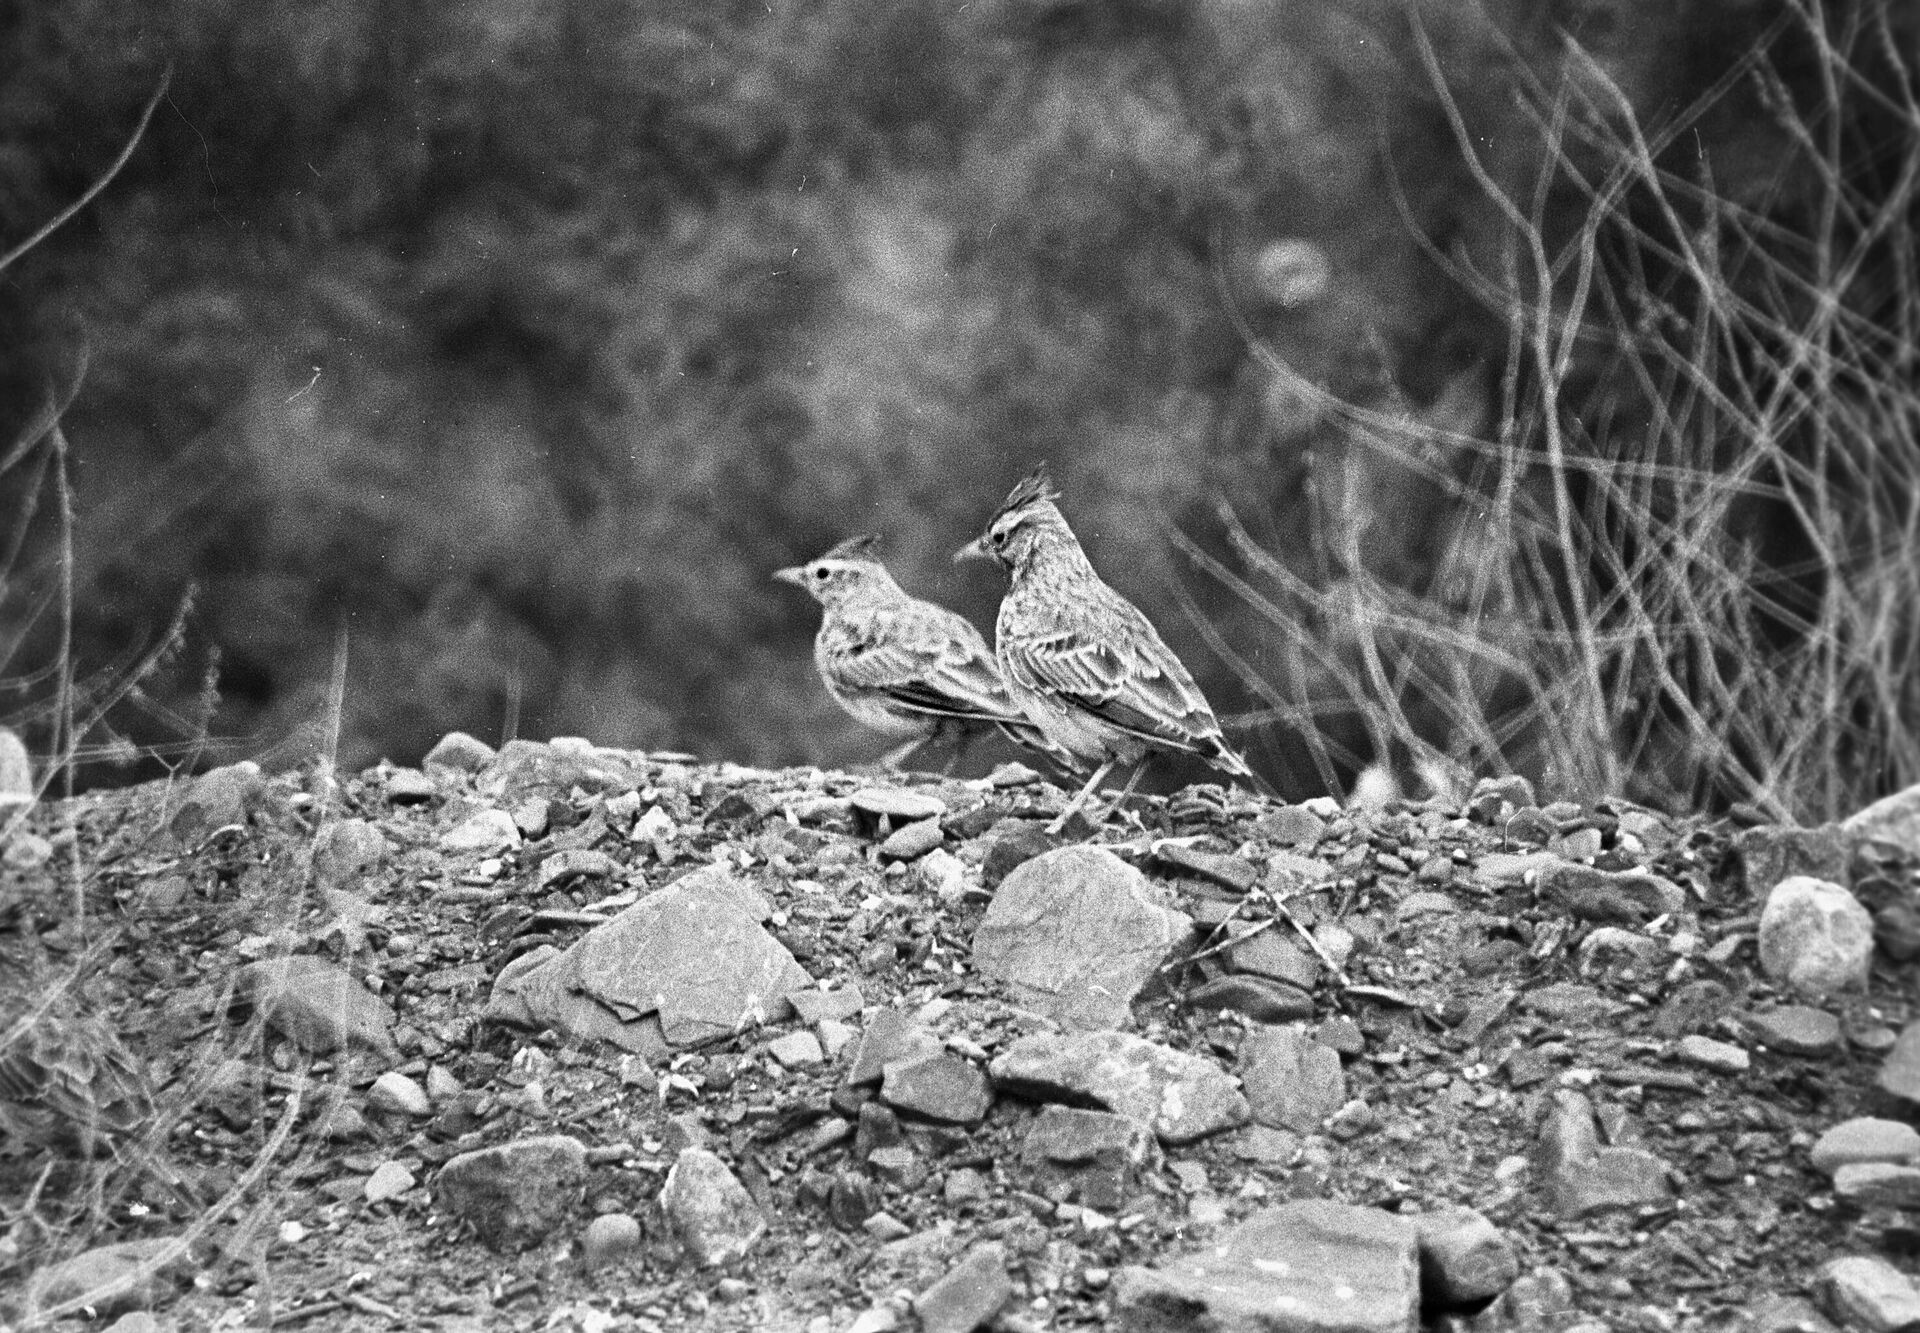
(943, 679)
(1125, 687)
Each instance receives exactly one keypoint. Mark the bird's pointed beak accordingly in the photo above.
(973, 550)
(794, 574)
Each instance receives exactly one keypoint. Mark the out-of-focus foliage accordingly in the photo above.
(520, 343)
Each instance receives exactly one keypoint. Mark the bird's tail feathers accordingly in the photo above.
(1232, 762)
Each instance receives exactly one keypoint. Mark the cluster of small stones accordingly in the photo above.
(734, 1034)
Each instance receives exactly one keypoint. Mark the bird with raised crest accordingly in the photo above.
(903, 665)
(1085, 665)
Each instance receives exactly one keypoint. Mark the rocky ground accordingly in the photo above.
(569, 1038)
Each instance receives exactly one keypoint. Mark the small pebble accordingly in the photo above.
(442, 1086)
(1717, 1055)
(1866, 1139)
(913, 841)
(394, 1091)
(884, 1226)
(389, 1181)
(797, 1050)
(610, 1240)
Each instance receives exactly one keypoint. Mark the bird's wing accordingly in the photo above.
(78, 1074)
(930, 660)
(1134, 684)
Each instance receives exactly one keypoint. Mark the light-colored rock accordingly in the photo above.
(1866, 1139)
(219, 798)
(1307, 1265)
(541, 989)
(1076, 933)
(939, 1087)
(1797, 1029)
(1815, 937)
(1892, 819)
(317, 1005)
(409, 786)
(1721, 1056)
(912, 841)
(1291, 1081)
(394, 1091)
(484, 833)
(710, 1211)
(460, 752)
(894, 807)
(1899, 1074)
(969, 1295)
(1871, 1294)
(1182, 1097)
(389, 1181)
(442, 1086)
(1464, 1258)
(686, 964)
(611, 1240)
(797, 1050)
(16, 773)
(943, 875)
(1580, 1176)
(891, 1035)
(1774, 1313)
(692, 954)
(344, 849)
(815, 1006)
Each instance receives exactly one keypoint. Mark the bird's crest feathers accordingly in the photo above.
(863, 547)
(1036, 486)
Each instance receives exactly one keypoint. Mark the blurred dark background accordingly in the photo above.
(520, 343)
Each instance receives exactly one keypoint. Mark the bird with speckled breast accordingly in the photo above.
(1085, 665)
(903, 665)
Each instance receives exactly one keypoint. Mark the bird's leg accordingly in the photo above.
(960, 748)
(1073, 806)
(897, 756)
(1126, 793)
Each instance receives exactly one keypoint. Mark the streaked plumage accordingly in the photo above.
(67, 1082)
(1086, 667)
(902, 665)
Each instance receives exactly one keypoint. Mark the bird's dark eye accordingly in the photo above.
(998, 536)
(820, 574)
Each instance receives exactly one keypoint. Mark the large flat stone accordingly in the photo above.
(1076, 933)
(693, 954)
(1181, 1097)
(317, 1005)
(1310, 1266)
